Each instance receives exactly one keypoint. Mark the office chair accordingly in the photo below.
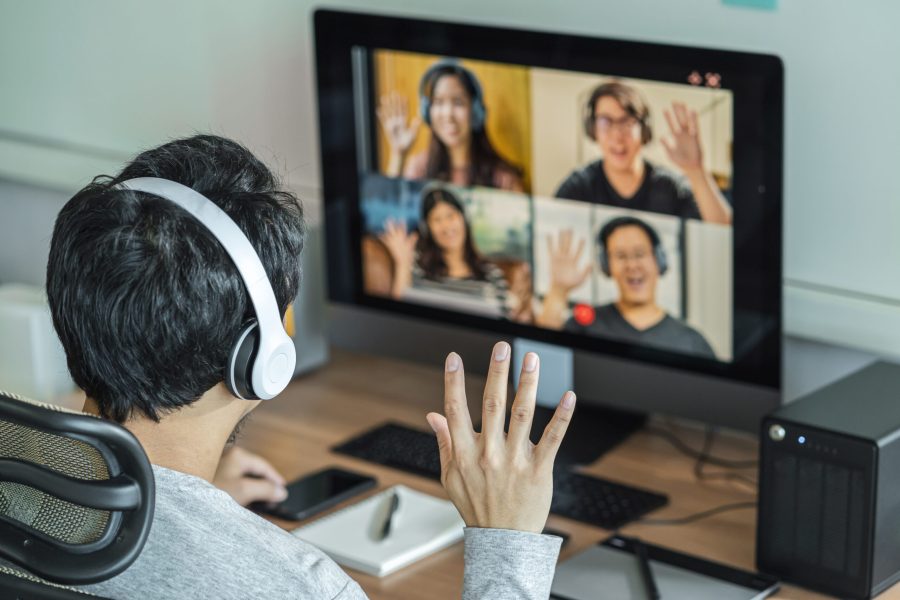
(76, 499)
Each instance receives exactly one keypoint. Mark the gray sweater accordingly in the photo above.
(204, 545)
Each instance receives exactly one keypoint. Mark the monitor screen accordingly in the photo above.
(610, 196)
(577, 229)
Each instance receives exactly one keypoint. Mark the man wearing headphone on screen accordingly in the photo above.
(167, 285)
(632, 255)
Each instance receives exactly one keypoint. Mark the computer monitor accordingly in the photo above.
(617, 198)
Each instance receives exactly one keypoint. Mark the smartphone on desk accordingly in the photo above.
(316, 492)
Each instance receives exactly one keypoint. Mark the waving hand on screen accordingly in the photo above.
(683, 146)
(402, 247)
(566, 274)
(393, 114)
(685, 150)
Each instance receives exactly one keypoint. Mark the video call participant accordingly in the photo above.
(617, 118)
(451, 103)
(443, 250)
(147, 305)
(631, 253)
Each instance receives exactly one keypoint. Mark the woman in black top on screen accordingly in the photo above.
(617, 119)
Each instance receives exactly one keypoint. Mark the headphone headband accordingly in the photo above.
(276, 357)
(479, 112)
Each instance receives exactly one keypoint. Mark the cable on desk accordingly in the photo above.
(704, 458)
(682, 447)
(697, 516)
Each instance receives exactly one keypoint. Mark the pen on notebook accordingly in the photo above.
(389, 517)
(640, 551)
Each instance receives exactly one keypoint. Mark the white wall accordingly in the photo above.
(87, 83)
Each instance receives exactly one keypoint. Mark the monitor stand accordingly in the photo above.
(593, 430)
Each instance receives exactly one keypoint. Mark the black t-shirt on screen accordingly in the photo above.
(662, 191)
(669, 334)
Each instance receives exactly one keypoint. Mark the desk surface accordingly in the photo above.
(356, 392)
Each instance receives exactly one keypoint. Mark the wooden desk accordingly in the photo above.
(356, 392)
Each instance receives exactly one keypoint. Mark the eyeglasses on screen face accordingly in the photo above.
(627, 124)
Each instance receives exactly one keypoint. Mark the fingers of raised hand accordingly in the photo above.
(694, 124)
(668, 147)
(565, 241)
(388, 235)
(397, 105)
(681, 114)
(494, 401)
(522, 411)
(414, 126)
(556, 429)
(386, 106)
(392, 107)
(579, 249)
(444, 441)
(673, 127)
(456, 409)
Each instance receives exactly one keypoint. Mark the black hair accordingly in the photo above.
(430, 256)
(483, 157)
(613, 224)
(144, 298)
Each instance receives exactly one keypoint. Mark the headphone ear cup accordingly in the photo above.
(662, 261)
(479, 113)
(239, 370)
(425, 109)
(604, 262)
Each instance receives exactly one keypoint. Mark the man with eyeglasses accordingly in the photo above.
(632, 255)
(617, 118)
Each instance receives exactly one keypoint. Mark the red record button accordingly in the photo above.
(584, 314)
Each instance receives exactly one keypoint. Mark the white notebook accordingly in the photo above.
(420, 526)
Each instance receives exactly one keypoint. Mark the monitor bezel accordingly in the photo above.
(756, 79)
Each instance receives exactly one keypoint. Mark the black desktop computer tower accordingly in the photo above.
(829, 489)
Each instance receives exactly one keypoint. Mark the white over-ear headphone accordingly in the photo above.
(262, 360)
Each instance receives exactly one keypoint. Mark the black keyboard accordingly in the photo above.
(601, 502)
(397, 446)
(584, 498)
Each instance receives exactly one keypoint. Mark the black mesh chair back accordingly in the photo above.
(16, 583)
(76, 495)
